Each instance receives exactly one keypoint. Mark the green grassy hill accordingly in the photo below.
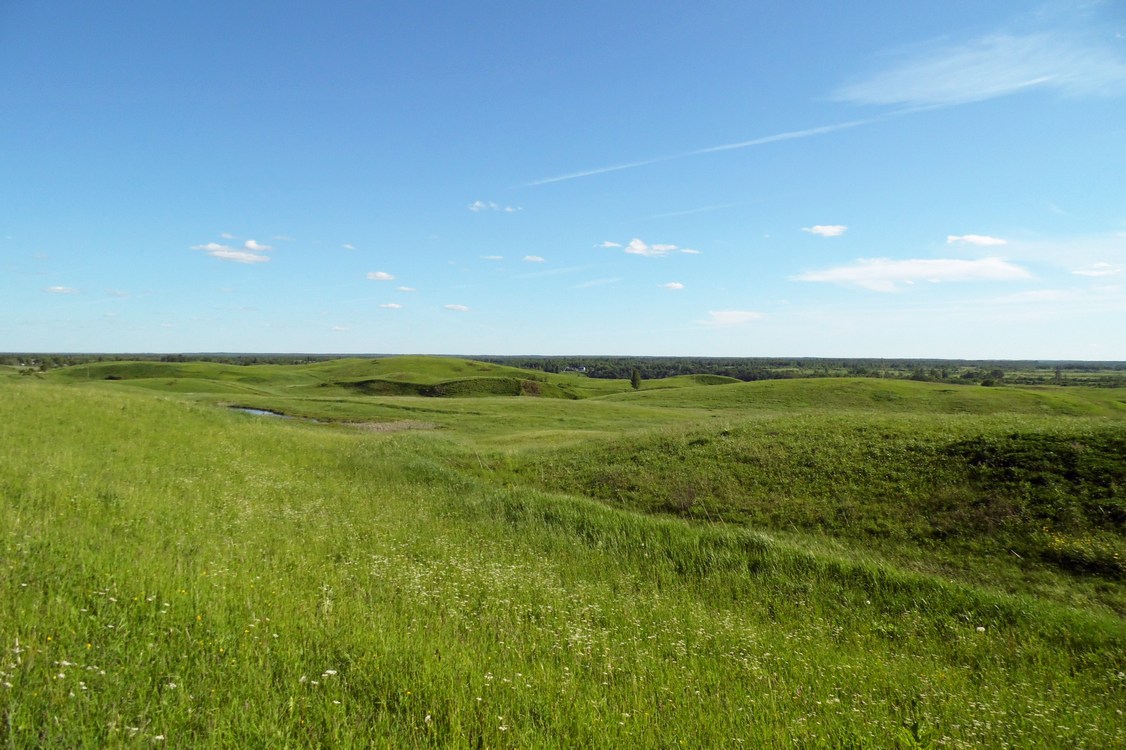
(780, 564)
(421, 376)
(867, 394)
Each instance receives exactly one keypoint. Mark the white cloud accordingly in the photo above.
(674, 285)
(492, 257)
(228, 236)
(391, 306)
(225, 252)
(380, 276)
(607, 243)
(638, 247)
(826, 230)
(990, 66)
(533, 259)
(885, 274)
(731, 318)
(255, 247)
(980, 240)
(1099, 269)
(457, 308)
(348, 246)
(340, 328)
(477, 206)
(405, 289)
(61, 290)
(689, 251)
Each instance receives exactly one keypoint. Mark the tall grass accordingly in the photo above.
(173, 574)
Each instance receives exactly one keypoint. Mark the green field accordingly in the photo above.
(445, 553)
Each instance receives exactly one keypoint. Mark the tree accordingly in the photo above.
(635, 379)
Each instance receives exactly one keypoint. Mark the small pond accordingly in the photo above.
(260, 412)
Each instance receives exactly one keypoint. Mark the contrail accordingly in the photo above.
(787, 136)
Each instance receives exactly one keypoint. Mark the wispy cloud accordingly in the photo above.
(478, 206)
(980, 240)
(1070, 252)
(608, 244)
(886, 275)
(405, 289)
(492, 257)
(340, 328)
(944, 73)
(1036, 295)
(690, 211)
(731, 318)
(391, 306)
(348, 246)
(61, 290)
(552, 271)
(689, 251)
(227, 236)
(596, 282)
(673, 285)
(380, 276)
(533, 259)
(788, 135)
(256, 247)
(456, 308)
(226, 252)
(826, 230)
(1099, 269)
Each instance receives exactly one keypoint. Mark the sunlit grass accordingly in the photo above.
(175, 573)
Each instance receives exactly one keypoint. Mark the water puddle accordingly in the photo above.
(260, 412)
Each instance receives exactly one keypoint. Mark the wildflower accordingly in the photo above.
(981, 628)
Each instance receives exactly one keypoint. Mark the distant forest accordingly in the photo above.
(982, 372)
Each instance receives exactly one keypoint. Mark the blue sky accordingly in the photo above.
(886, 179)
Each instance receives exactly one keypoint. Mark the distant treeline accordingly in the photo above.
(988, 372)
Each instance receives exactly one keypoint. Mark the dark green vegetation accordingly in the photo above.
(465, 554)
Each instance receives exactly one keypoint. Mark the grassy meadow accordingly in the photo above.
(442, 553)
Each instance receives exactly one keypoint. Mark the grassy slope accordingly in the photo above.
(152, 542)
(395, 376)
(867, 394)
(248, 544)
